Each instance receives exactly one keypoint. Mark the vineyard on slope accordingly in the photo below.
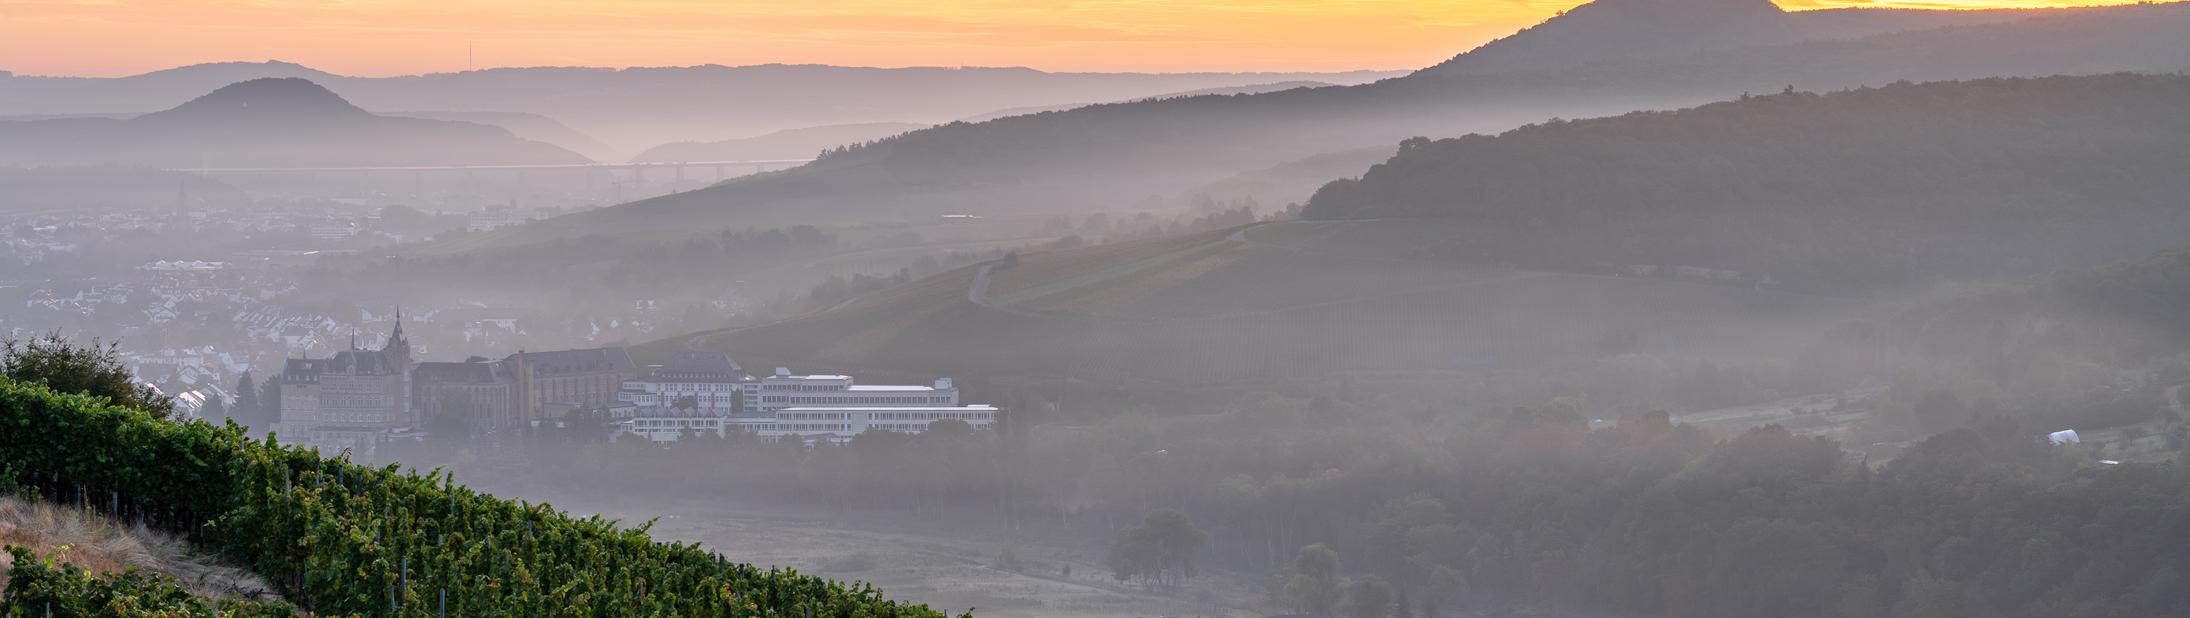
(337, 538)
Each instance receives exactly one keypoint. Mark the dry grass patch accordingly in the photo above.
(102, 545)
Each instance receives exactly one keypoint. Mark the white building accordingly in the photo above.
(807, 424)
(332, 231)
(785, 406)
(783, 390)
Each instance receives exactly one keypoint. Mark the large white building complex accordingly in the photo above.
(706, 381)
(706, 392)
(783, 390)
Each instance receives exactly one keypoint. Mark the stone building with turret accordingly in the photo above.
(348, 400)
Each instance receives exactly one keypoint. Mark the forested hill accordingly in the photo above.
(1848, 189)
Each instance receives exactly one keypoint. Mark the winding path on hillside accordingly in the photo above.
(978, 292)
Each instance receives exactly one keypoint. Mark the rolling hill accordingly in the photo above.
(1568, 252)
(286, 122)
(1105, 156)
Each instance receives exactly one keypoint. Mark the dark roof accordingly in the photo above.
(699, 365)
(578, 361)
(346, 362)
(457, 373)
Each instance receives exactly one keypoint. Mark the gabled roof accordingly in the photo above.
(457, 373)
(346, 362)
(699, 365)
(578, 361)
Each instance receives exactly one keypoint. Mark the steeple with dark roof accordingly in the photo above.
(398, 348)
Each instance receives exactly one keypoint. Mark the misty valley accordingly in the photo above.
(1679, 308)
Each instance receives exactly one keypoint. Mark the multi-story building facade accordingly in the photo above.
(485, 393)
(523, 389)
(783, 390)
(346, 401)
(705, 381)
(551, 383)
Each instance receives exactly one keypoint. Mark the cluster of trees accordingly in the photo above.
(1159, 552)
(1848, 191)
(257, 404)
(1314, 584)
(93, 369)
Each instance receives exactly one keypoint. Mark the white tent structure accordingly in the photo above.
(2065, 436)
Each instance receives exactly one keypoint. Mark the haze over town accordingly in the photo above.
(1373, 309)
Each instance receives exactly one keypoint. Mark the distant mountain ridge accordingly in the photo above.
(1102, 156)
(269, 122)
(636, 108)
(1628, 30)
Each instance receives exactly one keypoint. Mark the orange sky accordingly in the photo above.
(389, 37)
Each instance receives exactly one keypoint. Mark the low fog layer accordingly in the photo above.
(1658, 308)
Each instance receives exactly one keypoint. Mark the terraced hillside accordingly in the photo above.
(1272, 302)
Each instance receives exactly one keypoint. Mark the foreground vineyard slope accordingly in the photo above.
(342, 539)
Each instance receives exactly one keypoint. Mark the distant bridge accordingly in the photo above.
(758, 165)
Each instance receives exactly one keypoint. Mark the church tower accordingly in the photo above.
(397, 354)
(398, 348)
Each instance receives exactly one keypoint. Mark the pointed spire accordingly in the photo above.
(396, 336)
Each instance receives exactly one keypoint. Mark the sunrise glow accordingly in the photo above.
(388, 37)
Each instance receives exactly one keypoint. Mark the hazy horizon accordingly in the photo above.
(125, 38)
(1617, 309)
